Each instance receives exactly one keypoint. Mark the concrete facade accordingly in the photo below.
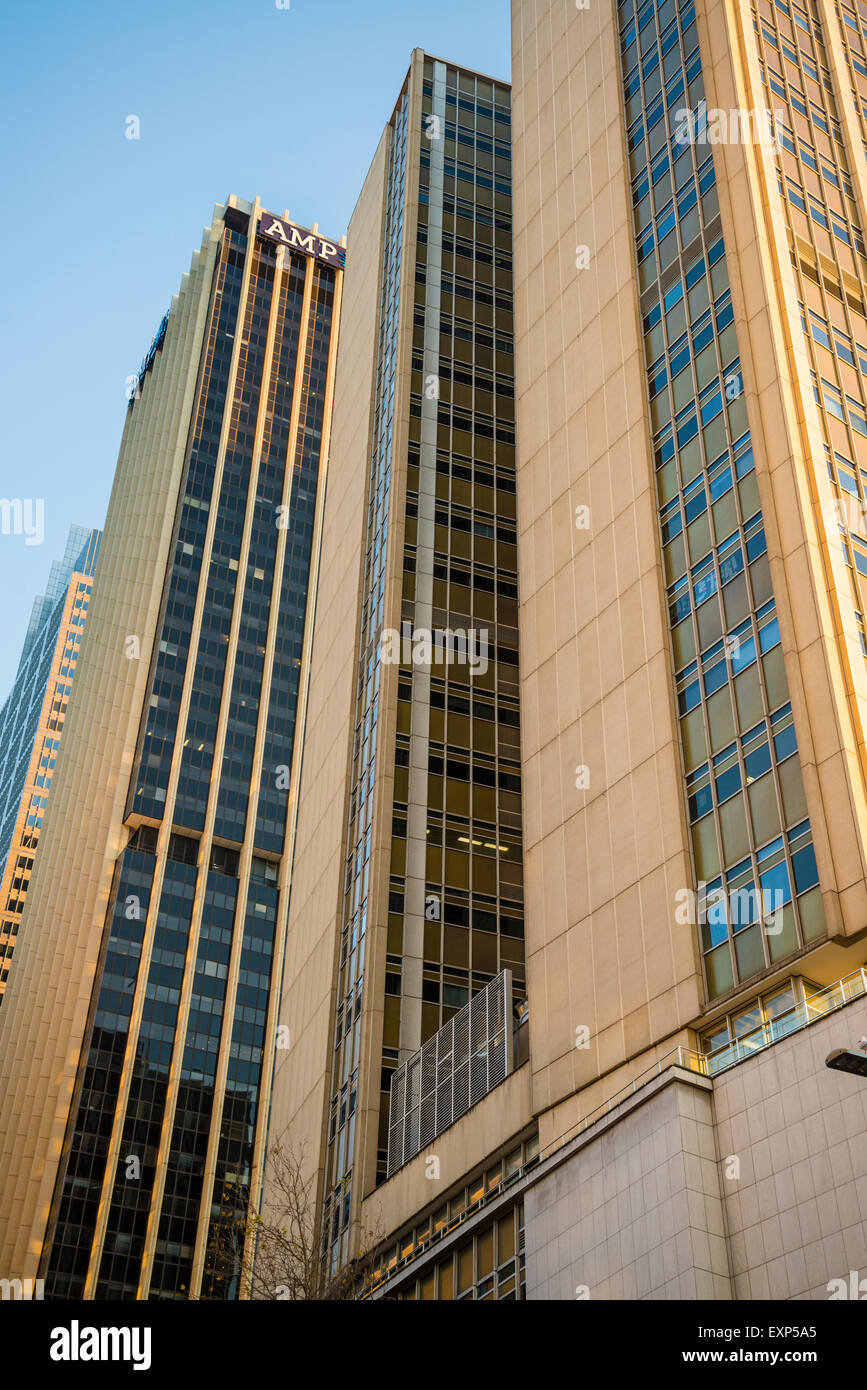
(638, 1211)
(796, 1217)
(752, 1186)
(608, 854)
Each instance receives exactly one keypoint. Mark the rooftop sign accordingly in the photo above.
(300, 239)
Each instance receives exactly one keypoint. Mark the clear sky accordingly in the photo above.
(232, 96)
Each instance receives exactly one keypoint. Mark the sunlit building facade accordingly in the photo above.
(158, 924)
(578, 845)
(693, 885)
(31, 724)
(690, 296)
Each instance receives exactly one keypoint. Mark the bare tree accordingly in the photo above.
(277, 1253)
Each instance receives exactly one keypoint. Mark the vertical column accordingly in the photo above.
(287, 861)
(416, 843)
(264, 704)
(829, 15)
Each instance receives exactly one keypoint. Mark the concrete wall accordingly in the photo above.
(602, 863)
(636, 1211)
(797, 1216)
(750, 1187)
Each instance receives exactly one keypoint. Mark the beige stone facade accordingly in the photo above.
(593, 597)
(619, 979)
(603, 863)
(750, 1187)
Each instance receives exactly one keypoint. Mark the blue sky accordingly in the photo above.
(232, 96)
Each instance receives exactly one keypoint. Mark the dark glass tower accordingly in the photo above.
(415, 837)
(456, 794)
(166, 1114)
(31, 723)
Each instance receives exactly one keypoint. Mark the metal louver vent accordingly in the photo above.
(454, 1070)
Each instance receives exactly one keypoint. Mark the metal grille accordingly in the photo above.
(454, 1070)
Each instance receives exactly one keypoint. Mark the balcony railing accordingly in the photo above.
(801, 1015)
(817, 1006)
(811, 1010)
(683, 1057)
(451, 1072)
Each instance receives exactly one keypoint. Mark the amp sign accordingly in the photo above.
(300, 239)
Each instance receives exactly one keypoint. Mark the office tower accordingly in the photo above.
(31, 723)
(691, 305)
(405, 938)
(133, 1058)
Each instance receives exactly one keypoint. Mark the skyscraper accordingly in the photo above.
(690, 513)
(31, 723)
(691, 292)
(576, 846)
(132, 1051)
(405, 950)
